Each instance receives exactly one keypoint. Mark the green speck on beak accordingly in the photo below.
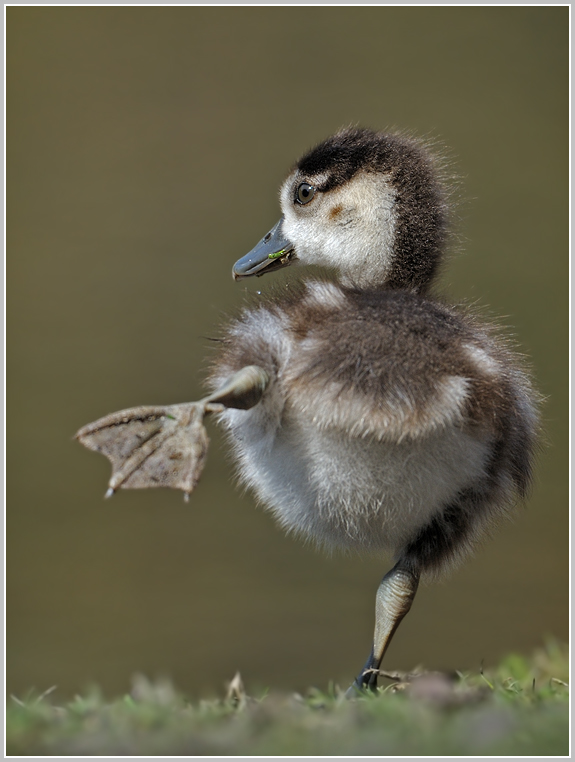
(271, 253)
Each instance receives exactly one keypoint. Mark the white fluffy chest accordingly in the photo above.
(335, 464)
(350, 492)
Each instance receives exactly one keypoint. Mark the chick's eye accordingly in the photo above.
(305, 192)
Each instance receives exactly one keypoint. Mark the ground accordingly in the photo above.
(519, 708)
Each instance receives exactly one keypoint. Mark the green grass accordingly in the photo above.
(519, 708)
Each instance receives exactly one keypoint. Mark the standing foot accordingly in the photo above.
(393, 600)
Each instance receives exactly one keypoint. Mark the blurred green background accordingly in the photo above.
(145, 149)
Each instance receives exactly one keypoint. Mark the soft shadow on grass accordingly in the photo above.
(520, 708)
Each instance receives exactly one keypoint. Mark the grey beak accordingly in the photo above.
(271, 253)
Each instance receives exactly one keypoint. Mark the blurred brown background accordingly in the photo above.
(145, 149)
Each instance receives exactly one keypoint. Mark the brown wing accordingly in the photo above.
(151, 446)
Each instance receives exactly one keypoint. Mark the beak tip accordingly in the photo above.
(273, 251)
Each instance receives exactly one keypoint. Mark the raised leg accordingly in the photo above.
(167, 445)
(392, 602)
(243, 390)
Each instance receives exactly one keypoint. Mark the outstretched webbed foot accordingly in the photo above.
(167, 446)
(151, 446)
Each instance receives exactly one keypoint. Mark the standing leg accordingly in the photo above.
(392, 602)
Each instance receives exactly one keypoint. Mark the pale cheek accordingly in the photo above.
(327, 246)
(305, 237)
